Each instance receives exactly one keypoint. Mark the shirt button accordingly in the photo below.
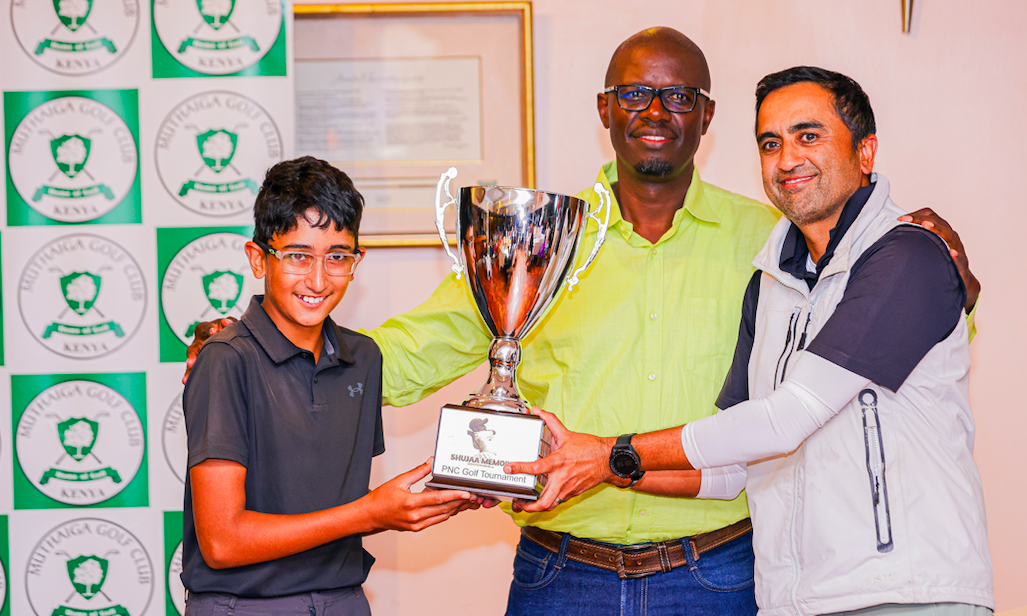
(315, 379)
(642, 512)
(652, 315)
(652, 377)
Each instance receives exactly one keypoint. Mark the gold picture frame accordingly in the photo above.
(395, 94)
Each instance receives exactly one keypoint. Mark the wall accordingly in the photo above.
(949, 99)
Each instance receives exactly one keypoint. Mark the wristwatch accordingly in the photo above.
(624, 460)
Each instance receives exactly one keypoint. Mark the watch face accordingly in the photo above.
(624, 464)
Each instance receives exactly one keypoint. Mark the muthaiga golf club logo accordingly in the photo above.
(72, 159)
(82, 296)
(217, 37)
(209, 278)
(212, 151)
(75, 37)
(175, 586)
(173, 439)
(89, 567)
(79, 442)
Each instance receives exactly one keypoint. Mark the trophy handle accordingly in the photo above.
(440, 213)
(605, 203)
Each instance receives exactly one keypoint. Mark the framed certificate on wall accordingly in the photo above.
(395, 94)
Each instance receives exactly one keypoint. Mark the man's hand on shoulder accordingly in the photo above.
(204, 330)
(928, 219)
(578, 463)
(392, 506)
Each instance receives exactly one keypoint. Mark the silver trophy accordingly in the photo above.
(517, 247)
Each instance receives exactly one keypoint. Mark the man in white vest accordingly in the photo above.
(846, 402)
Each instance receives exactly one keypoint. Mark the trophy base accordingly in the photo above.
(482, 489)
(474, 444)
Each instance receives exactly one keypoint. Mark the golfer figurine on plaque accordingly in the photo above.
(517, 246)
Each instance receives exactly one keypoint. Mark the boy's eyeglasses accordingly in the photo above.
(336, 262)
(676, 99)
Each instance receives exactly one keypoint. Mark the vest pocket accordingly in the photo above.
(874, 443)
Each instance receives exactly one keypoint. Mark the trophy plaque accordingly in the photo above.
(518, 247)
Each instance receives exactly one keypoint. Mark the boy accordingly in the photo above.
(283, 413)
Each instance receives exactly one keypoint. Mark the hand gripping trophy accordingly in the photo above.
(517, 246)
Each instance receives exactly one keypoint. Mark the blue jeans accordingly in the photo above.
(719, 582)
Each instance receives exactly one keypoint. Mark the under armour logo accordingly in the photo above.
(353, 391)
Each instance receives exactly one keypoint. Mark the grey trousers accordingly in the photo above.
(339, 602)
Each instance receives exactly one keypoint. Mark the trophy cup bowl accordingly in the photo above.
(517, 246)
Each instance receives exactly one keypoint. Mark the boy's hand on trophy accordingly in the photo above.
(578, 463)
(394, 506)
(203, 331)
(477, 501)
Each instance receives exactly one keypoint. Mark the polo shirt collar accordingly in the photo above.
(794, 251)
(696, 204)
(335, 348)
(278, 347)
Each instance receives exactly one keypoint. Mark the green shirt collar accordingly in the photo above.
(696, 204)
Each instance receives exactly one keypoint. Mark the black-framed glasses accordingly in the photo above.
(336, 262)
(676, 99)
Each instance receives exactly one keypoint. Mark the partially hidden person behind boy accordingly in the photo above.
(283, 414)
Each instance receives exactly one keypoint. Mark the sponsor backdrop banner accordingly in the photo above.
(136, 136)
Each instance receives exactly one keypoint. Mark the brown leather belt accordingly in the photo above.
(641, 560)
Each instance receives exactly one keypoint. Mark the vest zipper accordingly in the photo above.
(792, 323)
(809, 317)
(805, 329)
(796, 569)
(874, 443)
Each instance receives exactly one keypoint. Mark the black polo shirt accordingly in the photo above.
(306, 434)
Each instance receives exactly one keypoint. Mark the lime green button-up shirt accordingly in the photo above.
(643, 343)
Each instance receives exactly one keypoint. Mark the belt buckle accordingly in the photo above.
(622, 571)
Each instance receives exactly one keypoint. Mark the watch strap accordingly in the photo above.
(624, 440)
(623, 444)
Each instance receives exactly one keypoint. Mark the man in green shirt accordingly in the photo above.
(642, 344)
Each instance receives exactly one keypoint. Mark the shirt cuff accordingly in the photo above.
(217, 453)
(691, 447)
